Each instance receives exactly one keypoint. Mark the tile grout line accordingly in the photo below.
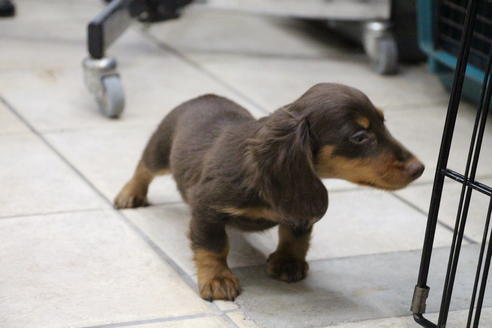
(402, 316)
(347, 257)
(278, 56)
(83, 210)
(229, 322)
(167, 319)
(259, 55)
(15, 216)
(442, 224)
(203, 70)
(166, 258)
(157, 320)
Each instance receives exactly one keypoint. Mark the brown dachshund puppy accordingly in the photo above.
(255, 174)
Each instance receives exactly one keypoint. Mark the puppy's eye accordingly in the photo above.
(360, 137)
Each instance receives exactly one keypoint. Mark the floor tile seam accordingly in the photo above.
(410, 105)
(260, 55)
(17, 133)
(423, 212)
(50, 213)
(223, 315)
(155, 320)
(122, 127)
(198, 67)
(403, 316)
(351, 257)
(52, 40)
(228, 320)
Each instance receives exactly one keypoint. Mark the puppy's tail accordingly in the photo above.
(156, 156)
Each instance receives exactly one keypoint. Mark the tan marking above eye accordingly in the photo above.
(363, 121)
(380, 114)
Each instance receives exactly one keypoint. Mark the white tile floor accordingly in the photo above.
(67, 259)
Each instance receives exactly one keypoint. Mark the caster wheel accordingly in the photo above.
(7, 8)
(112, 98)
(380, 46)
(386, 60)
(103, 81)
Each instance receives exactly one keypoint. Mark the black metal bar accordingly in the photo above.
(419, 318)
(478, 186)
(479, 267)
(470, 173)
(444, 150)
(475, 47)
(485, 102)
(485, 274)
(445, 145)
(454, 254)
(107, 26)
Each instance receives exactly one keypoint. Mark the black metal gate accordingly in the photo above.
(466, 55)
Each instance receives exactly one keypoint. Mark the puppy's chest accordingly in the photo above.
(251, 218)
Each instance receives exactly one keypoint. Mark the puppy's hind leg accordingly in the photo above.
(134, 193)
(154, 162)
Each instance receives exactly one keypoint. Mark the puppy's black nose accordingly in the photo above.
(415, 169)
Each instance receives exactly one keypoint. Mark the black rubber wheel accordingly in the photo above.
(386, 62)
(404, 23)
(112, 102)
(7, 8)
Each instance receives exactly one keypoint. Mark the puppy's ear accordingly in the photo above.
(283, 155)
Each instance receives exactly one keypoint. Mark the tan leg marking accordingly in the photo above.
(288, 262)
(134, 193)
(215, 279)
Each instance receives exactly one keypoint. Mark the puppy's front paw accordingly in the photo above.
(286, 268)
(222, 286)
(130, 197)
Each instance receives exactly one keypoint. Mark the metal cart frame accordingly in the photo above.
(469, 184)
(104, 82)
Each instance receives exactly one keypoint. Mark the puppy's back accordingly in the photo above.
(185, 135)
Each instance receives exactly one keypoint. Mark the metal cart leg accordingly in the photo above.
(100, 72)
(380, 45)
